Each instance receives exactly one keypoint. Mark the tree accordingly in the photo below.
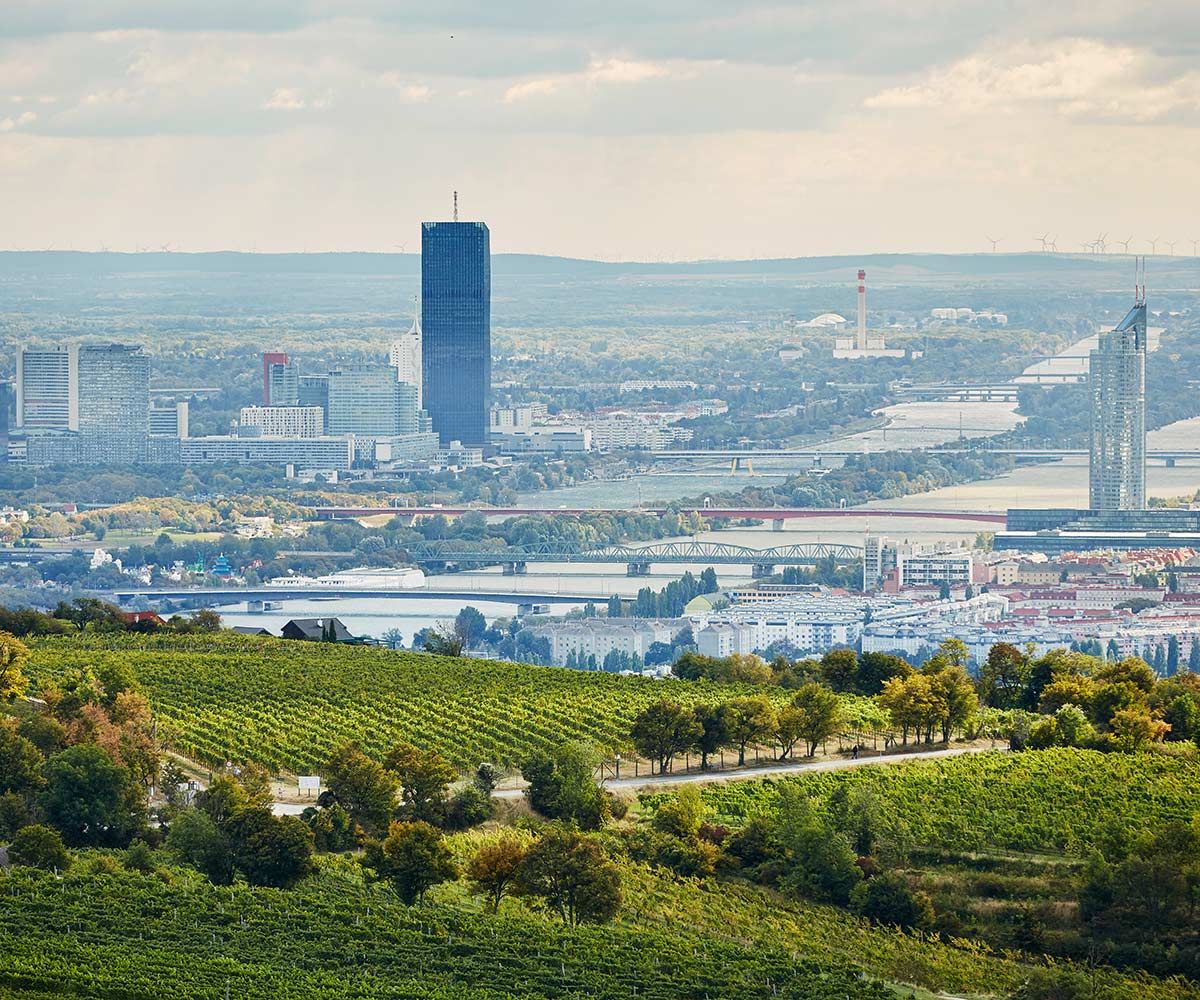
(662, 730)
(270, 850)
(713, 734)
(910, 703)
(469, 626)
(13, 656)
(789, 721)
(954, 652)
(887, 899)
(681, 815)
(574, 876)
(1183, 716)
(1003, 677)
(441, 641)
(39, 846)
(839, 668)
(90, 799)
(820, 714)
(425, 777)
(562, 785)
(955, 699)
(614, 606)
(332, 828)
(1133, 728)
(20, 761)
(708, 581)
(412, 858)
(362, 786)
(748, 720)
(819, 861)
(494, 870)
(876, 669)
(1172, 656)
(197, 840)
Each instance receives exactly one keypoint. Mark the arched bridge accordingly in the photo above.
(638, 559)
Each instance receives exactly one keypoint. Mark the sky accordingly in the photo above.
(623, 129)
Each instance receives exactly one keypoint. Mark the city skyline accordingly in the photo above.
(699, 131)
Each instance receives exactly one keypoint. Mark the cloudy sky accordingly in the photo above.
(630, 129)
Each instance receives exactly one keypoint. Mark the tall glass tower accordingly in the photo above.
(456, 329)
(1117, 377)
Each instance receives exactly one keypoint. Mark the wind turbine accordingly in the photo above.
(994, 242)
(1195, 244)
(1125, 244)
(1053, 247)
(1154, 246)
(1088, 247)
(1171, 244)
(1043, 239)
(1101, 246)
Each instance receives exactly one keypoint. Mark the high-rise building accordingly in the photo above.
(313, 390)
(368, 402)
(114, 402)
(456, 324)
(405, 355)
(281, 380)
(169, 421)
(47, 389)
(1117, 378)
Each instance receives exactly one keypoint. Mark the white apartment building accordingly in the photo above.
(282, 421)
(600, 636)
(543, 440)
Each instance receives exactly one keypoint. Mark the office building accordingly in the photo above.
(405, 355)
(304, 453)
(456, 350)
(47, 389)
(313, 390)
(281, 380)
(113, 402)
(169, 421)
(1117, 379)
(543, 441)
(368, 401)
(281, 421)
(6, 406)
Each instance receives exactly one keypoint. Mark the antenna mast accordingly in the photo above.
(1139, 280)
(455, 206)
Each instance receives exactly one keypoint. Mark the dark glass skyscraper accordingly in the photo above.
(456, 329)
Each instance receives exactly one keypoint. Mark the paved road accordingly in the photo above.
(714, 777)
(766, 771)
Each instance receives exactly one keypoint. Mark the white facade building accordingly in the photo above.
(405, 356)
(281, 421)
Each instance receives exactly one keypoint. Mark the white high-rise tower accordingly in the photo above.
(405, 355)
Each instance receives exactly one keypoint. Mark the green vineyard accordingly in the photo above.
(140, 938)
(288, 704)
(1061, 800)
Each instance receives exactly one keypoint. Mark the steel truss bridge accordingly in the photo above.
(638, 559)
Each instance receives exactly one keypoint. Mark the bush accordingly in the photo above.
(467, 808)
(13, 814)
(39, 846)
(887, 899)
(139, 858)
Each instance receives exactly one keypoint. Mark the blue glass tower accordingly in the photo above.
(456, 329)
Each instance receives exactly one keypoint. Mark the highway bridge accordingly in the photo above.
(638, 559)
(777, 515)
(235, 595)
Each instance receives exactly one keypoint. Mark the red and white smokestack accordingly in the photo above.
(862, 310)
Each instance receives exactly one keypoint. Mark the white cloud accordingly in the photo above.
(1078, 77)
(624, 71)
(530, 88)
(406, 91)
(24, 118)
(285, 99)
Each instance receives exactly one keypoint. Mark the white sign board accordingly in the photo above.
(309, 783)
